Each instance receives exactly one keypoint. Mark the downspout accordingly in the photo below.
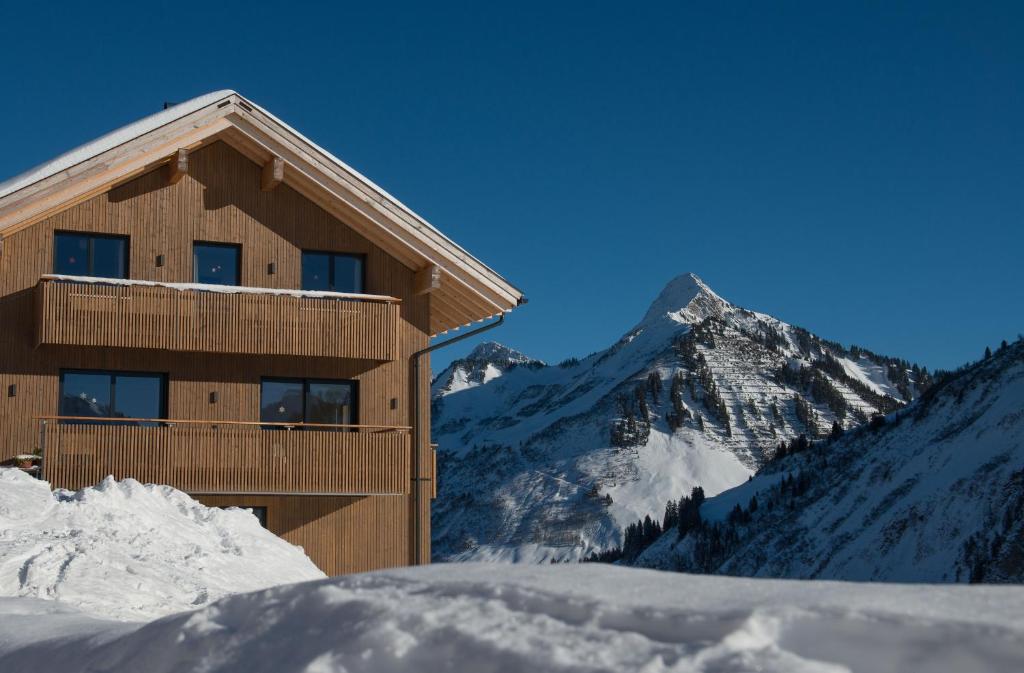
(417, 436)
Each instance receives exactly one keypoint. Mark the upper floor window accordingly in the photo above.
(308, 401)
(217, 263)
(333, 272)
(111, 394)
(97, 255)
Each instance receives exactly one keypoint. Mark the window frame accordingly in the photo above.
(218, 244)
(361, 256)
(354, 383)
(126, 238)
(253, 509)
(113, 374)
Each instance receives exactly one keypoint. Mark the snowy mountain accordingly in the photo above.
(550, 462)
(933, 494)
(485, 363)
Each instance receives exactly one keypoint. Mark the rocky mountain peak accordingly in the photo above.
(497, 354)
(685, 299)
(487, 361)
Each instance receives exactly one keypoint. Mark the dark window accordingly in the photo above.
(259, 512)
(281, 401)
(93, 255)
(309, 401)
(333, 272)
(217, 263)
(100, 394)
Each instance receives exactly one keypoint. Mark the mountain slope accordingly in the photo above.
(550, 462)
(935, 494)
(485, 363)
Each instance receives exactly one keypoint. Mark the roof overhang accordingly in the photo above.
(463, 290)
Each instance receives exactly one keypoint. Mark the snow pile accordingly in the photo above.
(131, 551)
(581, 618)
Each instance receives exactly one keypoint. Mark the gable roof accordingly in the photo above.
(464, 289)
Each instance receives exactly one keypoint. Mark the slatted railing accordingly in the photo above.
(228, 457)
(125, 314)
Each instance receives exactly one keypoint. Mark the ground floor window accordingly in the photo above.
(88, 394)
(308, 401)
(259, 512)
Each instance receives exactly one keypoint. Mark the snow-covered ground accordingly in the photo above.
(485, 618)
(128, 551)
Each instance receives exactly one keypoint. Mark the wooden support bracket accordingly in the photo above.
(427, 279)
(273, 174)
(178, 167)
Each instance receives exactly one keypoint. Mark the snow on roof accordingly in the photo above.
(153, 122)
(108, 142)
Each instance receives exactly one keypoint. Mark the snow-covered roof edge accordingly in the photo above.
(148, 124)
(109, 141)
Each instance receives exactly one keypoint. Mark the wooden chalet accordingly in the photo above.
(207, 299)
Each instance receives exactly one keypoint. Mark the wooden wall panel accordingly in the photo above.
(340, 534)
(219, 201)
(139, 316)
(208, 458)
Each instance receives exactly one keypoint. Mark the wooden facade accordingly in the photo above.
(169, 318)
(228, 458)
(347, 497)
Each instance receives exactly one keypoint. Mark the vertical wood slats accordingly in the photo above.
(229, 459)
(139, 316)
(220, 200)
(341, 534)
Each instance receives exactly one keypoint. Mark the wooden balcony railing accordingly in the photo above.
(228, 457)
(78, 311)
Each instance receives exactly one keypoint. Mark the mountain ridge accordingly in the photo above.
(548, 462)
(934, 493)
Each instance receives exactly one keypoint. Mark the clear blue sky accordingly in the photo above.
(854, 168)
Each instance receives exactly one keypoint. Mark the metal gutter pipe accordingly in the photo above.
(417, 433)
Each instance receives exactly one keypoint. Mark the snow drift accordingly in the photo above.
(130, 551)
(580, 618)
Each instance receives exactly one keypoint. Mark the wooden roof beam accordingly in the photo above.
(273, 174)
(427, 280)
(178, 166)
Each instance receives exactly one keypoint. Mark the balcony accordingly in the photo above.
(79, 311)
(223, 457)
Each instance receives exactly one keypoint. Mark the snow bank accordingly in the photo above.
(580, 618)
(130, 551)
